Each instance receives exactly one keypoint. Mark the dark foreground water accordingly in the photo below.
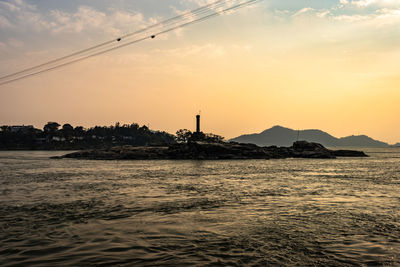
(253, 212)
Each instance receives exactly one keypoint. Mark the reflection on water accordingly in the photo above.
(253, 212)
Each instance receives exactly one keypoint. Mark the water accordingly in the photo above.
(205, 213)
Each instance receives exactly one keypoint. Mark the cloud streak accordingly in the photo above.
(19, 16)
(366, 3)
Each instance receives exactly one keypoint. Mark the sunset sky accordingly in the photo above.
(305, 64)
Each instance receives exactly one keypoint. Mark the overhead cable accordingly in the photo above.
(195, 16)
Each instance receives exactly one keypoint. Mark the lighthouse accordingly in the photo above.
(198, 123)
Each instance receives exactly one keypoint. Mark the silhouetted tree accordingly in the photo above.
(81, 138)
(5, 128)
(214, 138)
(183, 135)
(79, 131)
(134, 126)
(197, 136)
(50, 129)
(67, 131)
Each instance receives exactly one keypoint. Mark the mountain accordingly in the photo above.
(361, 141)
(281, 136)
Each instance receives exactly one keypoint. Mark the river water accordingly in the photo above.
(200, 213)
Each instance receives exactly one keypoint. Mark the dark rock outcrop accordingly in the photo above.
(348, 153)
(214, 151)
(304, 149)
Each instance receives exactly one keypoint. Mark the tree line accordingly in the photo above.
(54, 136)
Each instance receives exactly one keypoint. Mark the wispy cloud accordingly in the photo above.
(303, 11)
(198, 2)
(89, 19)
(365, 3)
(208, 50)
(380, 18)
(23, 17)
(4, 23)
(19, 15)
(15, 43)
(2, 45)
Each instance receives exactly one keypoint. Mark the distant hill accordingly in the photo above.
(281, 136)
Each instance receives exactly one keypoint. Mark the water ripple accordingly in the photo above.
(341, 212)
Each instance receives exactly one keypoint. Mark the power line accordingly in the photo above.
(200, 14)
(197, 11)
(102, 48)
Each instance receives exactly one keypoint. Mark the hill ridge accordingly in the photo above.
(283, 136)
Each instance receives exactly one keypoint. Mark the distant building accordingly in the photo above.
(58, 139)
(40, 140)
(21, 128)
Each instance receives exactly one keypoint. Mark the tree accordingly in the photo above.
(5, 128)
(144, 128)
(79, 131)
(68, 131)
(183, 135)
(214, 138)
(134, 126)
(50, 129)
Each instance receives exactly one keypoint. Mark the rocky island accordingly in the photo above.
(200, 150)
(199, 146)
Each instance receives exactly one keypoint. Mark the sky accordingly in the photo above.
(332, 65)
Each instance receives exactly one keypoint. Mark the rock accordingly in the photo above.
(307, 146)
(349, 153)
(304, 149)
(213, 151)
